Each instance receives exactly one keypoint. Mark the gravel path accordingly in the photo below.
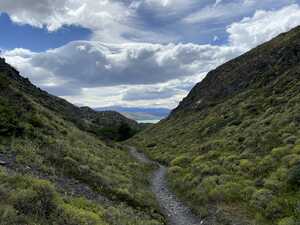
(176, 212)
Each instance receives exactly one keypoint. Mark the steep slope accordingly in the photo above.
(233, 144)
(106, 124)
(51, 172)
(257, 67)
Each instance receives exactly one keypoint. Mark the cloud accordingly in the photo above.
(166, 8)
(115, 96)
(228, 11)
(124, 74)
(149, 93)
(263, 26)
(113, 17)
(28, 12)
(99, 74)
(93, 64)
(123, 21)
(117, 21)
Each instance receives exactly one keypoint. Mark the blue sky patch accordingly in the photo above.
(36, 39)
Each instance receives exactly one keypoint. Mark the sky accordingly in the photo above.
(133, 53)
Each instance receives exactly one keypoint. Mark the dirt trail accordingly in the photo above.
(176, 212)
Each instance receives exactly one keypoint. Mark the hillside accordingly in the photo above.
(233, 144)
(52, 172)
(105, 123)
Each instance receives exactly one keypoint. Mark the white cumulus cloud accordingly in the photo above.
(263, 26)
(98, 73)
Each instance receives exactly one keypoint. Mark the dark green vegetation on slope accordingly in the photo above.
(233, 145)
(106, 124)
(51, 172)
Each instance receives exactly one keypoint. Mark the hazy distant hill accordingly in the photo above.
(140, 114)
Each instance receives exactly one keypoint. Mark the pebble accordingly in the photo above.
(2, 163)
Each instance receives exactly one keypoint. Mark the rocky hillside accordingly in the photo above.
(108, 124)
(233, 144)
(258, 67)
(52, 172)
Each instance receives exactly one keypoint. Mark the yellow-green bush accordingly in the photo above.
(287, 221)
(182, 160)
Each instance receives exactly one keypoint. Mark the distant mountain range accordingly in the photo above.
(139, 114)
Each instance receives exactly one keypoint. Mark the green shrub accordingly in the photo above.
(296, 148)
(125, 132)
(274, 185)
(290, 139)
(232, 191)
(247, 193)
(7, 212)
(208, 184)
(246, 165)
(70, 215)
(110, 133)
(9, 216)
(117, 133)
(70, 166)
(280, 152)
(182, 161)
(294, 176)
(38, 200)
(174, 169)
(8, 119)
(261, 198)
(4, 82)
(37, 121)
(267, 164)
(291, 160)
(274, 210)
(27, 153)
(287, 221)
